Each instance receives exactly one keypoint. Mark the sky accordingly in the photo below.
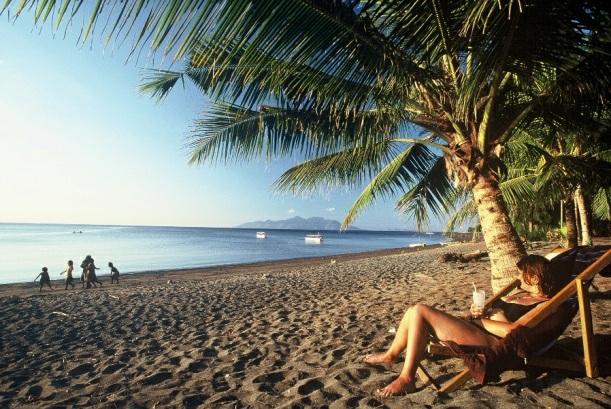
(80, 144)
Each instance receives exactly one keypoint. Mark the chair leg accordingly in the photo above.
(426, 378)
(585, 316)
(456, 382)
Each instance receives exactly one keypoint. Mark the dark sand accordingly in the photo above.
(283, 334)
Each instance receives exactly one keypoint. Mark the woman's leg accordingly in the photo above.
(397, 346)
(422, 322)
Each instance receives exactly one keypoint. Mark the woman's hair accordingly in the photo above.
(538, 266)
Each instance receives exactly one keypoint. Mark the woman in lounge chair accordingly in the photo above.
(420, 322)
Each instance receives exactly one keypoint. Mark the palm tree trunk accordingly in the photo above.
(571, 223)
(504, 245)
(577, 220)
(584, 217)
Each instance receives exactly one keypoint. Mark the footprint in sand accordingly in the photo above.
(310, 386)
(193, 401)
(113, 388)
(81, 369)
(272, 377)
(156, 378)
(112, 368)
(197, 366)
(353, 402)
(35, 391)
(18, 381)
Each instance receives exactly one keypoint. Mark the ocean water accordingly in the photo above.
(26, 248)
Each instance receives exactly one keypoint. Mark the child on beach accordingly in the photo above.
(114, 273)
(84, 266)
(68, 271)
(44, 278)
(91, 276)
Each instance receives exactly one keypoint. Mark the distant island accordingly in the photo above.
(296, 223)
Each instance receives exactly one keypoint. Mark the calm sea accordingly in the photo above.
(26, 248)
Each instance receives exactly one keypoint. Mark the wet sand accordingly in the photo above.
(285, 334)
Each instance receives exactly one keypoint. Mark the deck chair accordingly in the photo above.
(578, 286)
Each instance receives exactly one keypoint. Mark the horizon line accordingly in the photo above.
(195, 227)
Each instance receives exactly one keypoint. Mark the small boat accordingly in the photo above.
(313, 238)
(261, 235)
(430, 233)
(414, 245)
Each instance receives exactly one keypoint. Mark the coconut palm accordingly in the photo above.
(544, 169)
(339, 82)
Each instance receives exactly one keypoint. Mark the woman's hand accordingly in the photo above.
(476, 312)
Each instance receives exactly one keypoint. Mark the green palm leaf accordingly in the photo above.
(432, 192)
(231, 132)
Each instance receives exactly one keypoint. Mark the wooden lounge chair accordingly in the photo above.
(588, 362)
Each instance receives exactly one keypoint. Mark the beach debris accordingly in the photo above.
(415, 245)
(392, 330)
(169, 282)
(60, 313)
(264, 276)
(463, 258)
(333, 261)
(113, 296)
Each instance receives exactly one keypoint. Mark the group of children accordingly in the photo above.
(88, 276)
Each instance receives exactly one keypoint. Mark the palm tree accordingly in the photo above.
(544, 169)
(340, 81)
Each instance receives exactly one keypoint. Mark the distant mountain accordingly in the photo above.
(296, 223)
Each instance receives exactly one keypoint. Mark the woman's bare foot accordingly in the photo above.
(382, 358)
(399, 386)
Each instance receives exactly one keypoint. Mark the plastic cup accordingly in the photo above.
(479, 300)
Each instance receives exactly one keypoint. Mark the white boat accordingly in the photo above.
(313, 238)
(261, 235)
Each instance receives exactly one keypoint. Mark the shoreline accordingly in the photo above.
(219, 271)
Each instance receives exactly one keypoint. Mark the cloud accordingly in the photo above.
(291, 211)
(330, 209)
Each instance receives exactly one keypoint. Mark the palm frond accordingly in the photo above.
(159, 83)
(601, 205)
(351, 167)
(432, 192)
(464, 213)
(404, 170)
(229, 132)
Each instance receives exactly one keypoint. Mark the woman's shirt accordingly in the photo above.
(522, 303)
(514, 311)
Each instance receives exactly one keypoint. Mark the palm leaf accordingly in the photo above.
(432, 192)
(399, 174)
(601, 205)
(229, 132)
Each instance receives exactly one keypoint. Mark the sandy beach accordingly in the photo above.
(286, 334)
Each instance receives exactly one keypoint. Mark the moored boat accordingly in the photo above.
(261, 235)
(314, 238)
